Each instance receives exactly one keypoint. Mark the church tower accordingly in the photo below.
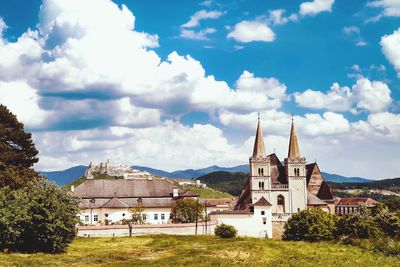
(296, 173)
(260, 171)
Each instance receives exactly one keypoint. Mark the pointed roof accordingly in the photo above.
(325, 192)
(259, 150)
(313, 200)
(262, 202)
(294, 151)
(115, 203)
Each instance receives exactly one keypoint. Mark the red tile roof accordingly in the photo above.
(355, 201)
(262, 202)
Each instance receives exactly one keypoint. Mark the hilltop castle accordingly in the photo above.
(275, 191)
(113, 169)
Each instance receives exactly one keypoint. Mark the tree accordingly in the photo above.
(17, 152)
(185, 209)
(311, 225)
(38, 217)
(359, 224)
(137, 213)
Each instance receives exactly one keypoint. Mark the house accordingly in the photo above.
(111, 201)
(350, 205)
(275, 191)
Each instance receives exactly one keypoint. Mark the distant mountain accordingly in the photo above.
(342, 179)
(66, 176)
(71, 174)
(230, 182)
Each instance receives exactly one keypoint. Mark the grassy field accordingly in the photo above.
(168, 250)
(206, 192)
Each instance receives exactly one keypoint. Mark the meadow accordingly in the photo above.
(170, 250)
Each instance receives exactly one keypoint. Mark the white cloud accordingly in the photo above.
(391, 8)
(197, 35)
(315, 7)
(354, 32)
(391, 49)
(199, 145)
(23, 101)
(276, 17)
(365, 95)
(201, 15)
(252, 31)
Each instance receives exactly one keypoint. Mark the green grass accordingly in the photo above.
(169, 250)
(206, 192)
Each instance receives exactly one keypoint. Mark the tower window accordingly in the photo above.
(261, 185)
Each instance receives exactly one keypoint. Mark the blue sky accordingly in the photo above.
(155, 82)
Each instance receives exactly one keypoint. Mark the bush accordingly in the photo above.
(39, 217)
(225, 231)
(185, 209)
(359, 224)
(310, 225)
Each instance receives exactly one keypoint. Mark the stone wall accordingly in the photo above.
(277, 229)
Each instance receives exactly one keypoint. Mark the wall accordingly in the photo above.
(278, 229)
(123, 230)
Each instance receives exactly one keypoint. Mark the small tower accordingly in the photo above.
(296, 173)
(259, 167)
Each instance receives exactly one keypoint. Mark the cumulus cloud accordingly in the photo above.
(23, 100)
(365, 95)
(391, 49)
(251, 31)
(315, 7)
(276, 17)
(201, 15)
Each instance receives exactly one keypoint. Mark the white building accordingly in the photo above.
(274, 191)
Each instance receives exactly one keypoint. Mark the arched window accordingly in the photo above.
(262, 171)
(281, 203)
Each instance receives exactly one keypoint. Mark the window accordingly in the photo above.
(261, 185)
(281, 200)
(86, 218)
(264, 220)
(123, 214)
(106, 215)
(144, 216)
(162, 216)
(262, 212)
(95, 218)
(155, 216)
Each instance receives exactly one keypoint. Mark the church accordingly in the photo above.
(275, 191)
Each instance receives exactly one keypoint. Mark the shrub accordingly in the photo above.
(185, 209)
(225, 231)
(359, 224)
(310, 225)
(40, 217)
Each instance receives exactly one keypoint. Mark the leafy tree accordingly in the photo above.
(185, 209)
(38, 217)
(310, 225)
(225, 231)
(137, 214)
(389, 222)
(359, 224)
(17, 151)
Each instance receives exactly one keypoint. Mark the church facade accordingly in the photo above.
(275, 191)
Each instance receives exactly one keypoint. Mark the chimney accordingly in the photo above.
(175, 193)
(72, 188)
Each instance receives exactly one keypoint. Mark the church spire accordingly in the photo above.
(259, 150)
(294, 151)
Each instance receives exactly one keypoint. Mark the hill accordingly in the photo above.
(343, 179)
(386, 184)
(200, 250)
(66, 176)
(231, 182)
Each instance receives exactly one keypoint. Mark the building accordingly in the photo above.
(350, 205)
(110, 201)
(275, 191)
(114, 169)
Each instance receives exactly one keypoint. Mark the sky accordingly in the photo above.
(178, 84)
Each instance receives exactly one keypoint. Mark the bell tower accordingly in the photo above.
(296, 173)
(260, 171)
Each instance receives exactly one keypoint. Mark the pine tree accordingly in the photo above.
(17, 152)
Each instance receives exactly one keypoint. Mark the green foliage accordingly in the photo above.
(385, 184)
(17, 152)
(311, 225)
(389, 222)
(225, 231)
(185, 210)
(359, 224)
(39, 217)
(230, 182)
(206, 192)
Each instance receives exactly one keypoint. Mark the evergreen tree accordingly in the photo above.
(17, 152)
